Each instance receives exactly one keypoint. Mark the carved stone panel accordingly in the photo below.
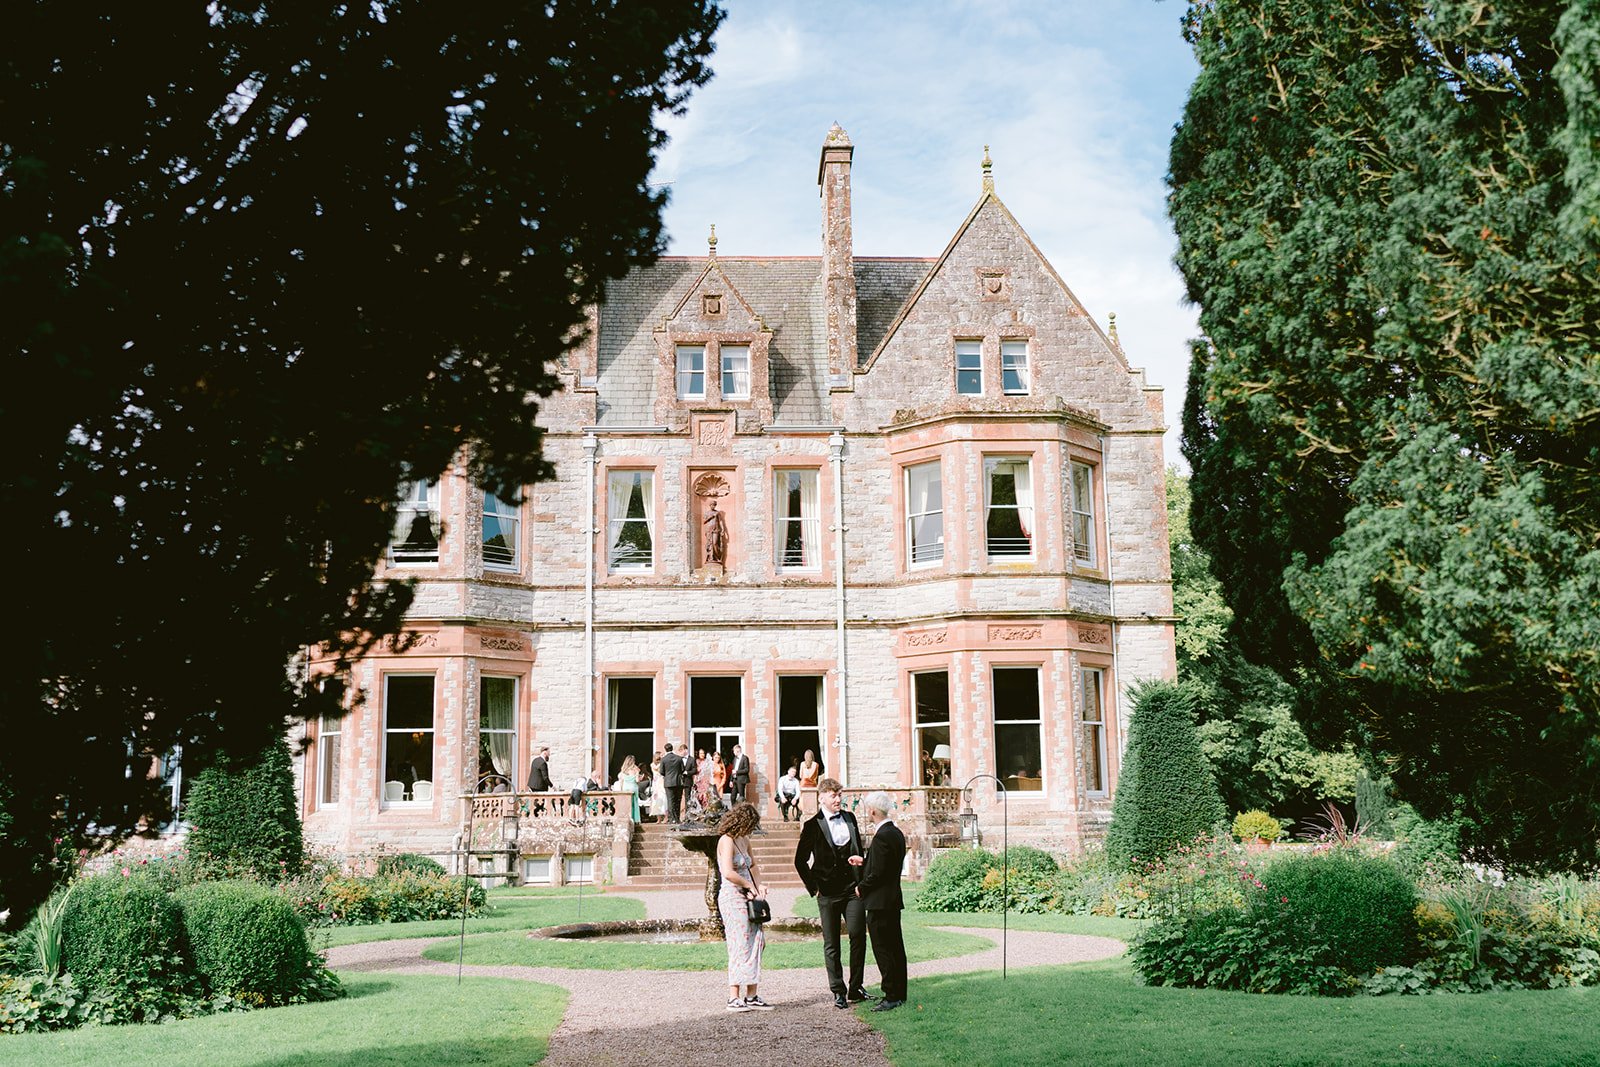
(1015, 633)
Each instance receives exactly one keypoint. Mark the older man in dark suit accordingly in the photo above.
(880, 892)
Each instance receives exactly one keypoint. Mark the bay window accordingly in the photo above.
(925, 513)
(1083, 513)
(502, 523)
(1009, 488)
(416, 528)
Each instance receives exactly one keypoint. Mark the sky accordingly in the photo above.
(1076, 100)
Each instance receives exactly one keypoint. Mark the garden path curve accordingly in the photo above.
(633, 1017)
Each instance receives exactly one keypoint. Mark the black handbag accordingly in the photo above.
(758, 911)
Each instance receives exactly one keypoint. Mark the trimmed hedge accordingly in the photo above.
(1167, 795)
(954, 881)
(1360, 906)
(243, 819)
(1029, 860)
(124, 936)
(402, 862)
(247, 941)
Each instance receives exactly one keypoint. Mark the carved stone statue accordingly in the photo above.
(714, 534)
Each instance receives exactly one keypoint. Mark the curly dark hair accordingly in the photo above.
(740, 821)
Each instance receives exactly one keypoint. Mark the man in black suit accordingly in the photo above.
(829, 860)
(739, 775)
(880, 892)
(691, 767)
(539, 777)
(672, 779)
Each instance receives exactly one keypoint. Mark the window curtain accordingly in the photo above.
(499, 715)
(809, 526)
(1024, 483)
(618, 489)
(648, 496)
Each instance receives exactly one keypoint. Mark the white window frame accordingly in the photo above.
(970, 353)
(819, 728)
(615, 523)
(578, 869)
(917, 726)
(1092, 731)
(735, 361)
(614, 732)
(930, 558)
(431, 732)
(422, 498)
(1036, 723)
(810, 526)
(1083, 531)
(536, 870)
(329, 729)
(691, 365)
(1014, 361)
(483, 692)
(509, 519)
(1027, 513)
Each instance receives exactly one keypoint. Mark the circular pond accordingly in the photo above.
(673, 931)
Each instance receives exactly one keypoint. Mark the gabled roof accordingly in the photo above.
(904, 312)
(785, 292)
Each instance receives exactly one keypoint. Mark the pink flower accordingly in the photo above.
(1283, 900)
(126, 873)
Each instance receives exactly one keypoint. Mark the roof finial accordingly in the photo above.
(988, 171)
(1116, 342)
(711, 242)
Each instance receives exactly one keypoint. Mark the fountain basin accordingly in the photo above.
(673, 931)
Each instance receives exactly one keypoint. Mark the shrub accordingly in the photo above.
(1030, 859)
(406, 896)
(123, 936)
(243, 819)
(1425, 850)
(36, 1003)
(248, 942)
(1167, 795)
(1256, 825)
(1360, 906)
(409, 861)
(1238, 948)
(954, 881)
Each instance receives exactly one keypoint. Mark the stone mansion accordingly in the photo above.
(906, 513)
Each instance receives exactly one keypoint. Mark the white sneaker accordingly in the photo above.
(738, 1004)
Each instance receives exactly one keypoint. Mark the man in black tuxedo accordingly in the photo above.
(739, 775)
(672, 779)
(829, 860)
(539, 777)
(880, 892)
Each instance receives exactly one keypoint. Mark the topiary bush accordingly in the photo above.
(1256, 825)
(1360, 906)
(248, 942)
(123, 936)
(954, 881)
(243, 819)
(401, 862)
(1167, 795)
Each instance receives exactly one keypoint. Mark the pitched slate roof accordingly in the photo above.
(786, 292)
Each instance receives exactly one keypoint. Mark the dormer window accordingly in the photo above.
(969, 368)
(736, 372)
(692, 372)
(1014, 367)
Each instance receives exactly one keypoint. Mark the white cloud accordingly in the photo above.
(1076, 101)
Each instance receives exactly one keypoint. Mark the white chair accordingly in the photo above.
(394, 791)
(421, 790)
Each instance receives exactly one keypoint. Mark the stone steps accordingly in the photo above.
(657, 861)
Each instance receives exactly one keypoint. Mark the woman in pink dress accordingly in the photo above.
(702, 780)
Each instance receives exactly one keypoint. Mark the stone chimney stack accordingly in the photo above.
(838, 260)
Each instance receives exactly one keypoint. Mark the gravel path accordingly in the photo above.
(629, 1017)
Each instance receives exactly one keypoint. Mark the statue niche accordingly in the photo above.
(713, 521)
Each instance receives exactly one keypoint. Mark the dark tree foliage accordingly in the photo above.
(262, 264)
(1166, 796)
(1389, 214)
(243, 819)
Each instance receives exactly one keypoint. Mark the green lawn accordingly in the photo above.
(404, 1020)
(519, 950)
(1099, 1014)
(509, 909)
